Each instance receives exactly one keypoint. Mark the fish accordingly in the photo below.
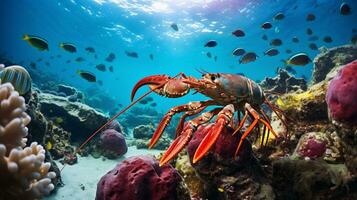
(220, 189)
(310, 17)
(52, 57)
(95, 56)
(90, 50)
(153, 104)
(327, 39)
(209, 54)
(266, 25)
(101, 67)
(110, 57)
(80, 59)
(299, 59)
(33, 65)
(18, 76)
(345, 9)
(215, 58)
(354, 30)
(132, 54)
(309, 31)
(68, 61)
(265, 37)
(143, 101)
(151, 57)
(313, 46)
(174, 26)
(58, 56)
(354, 39)
(68, 47)
(58, 120)
(88, 76)
(288, 51)
(238, 33)
(149, 99)
(211, 43)
(39, 59)
(47, 64)
(295, 39)
(248, 57)
(276, 42)
(279, 16)
(100, 82)
(37, 42)
(313, 38)
(240, 74)
(111, 69)
(238, 52)
(271, 52)
(49, 145)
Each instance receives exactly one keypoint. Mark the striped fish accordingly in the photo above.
(18, 77)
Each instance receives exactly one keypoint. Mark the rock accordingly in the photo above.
(310, 179)
(226, 177)
(67, 90)
(311, 146)
(283, 83)
(193, 182)
(141, 177)
(342, 95)
(305, 106)
(78, 119)
(143, 131)
(334, 57)
(113, 143)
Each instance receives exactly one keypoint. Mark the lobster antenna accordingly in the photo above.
(114, 117)
(199, 71)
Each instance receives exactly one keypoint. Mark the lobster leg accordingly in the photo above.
(167, 118)
(184, 116)
(224, 117)
(180, 142)
(257, 118)
(241, 123)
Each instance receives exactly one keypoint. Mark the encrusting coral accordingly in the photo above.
(24, 174)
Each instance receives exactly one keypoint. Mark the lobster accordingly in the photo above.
(229, 93)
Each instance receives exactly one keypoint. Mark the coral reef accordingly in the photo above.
(326, 61)
(142, 135)
(24, 174)
(311, 145)
(113, 143)
(342, 95)
(141, 178)
(283, 83)
(77, 118)
(226, 177)
(188, 173)
(310, 179)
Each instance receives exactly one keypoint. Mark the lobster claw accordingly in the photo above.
(163, 85)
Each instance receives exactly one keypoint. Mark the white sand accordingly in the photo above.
(87, 173)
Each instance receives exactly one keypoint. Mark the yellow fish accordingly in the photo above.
(49, 145)
(37, 42)
(220, 189)
(58, 120)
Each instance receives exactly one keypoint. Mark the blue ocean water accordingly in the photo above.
(144, 27)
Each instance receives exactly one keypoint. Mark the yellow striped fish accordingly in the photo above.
(18, 77)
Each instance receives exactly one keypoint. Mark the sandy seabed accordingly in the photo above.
(80, 180)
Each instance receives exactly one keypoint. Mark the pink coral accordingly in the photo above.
(342, 95)
(139, 177)
(311, 145)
